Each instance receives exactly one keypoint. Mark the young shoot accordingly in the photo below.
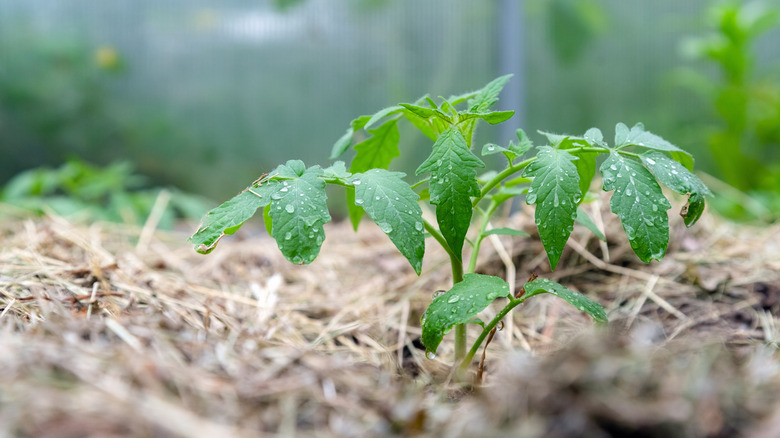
(554, 177)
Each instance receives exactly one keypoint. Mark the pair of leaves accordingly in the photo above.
(462, 303)
(296, 210)
(296, 203)
(638, 199)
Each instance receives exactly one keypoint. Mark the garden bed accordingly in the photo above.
(108, 330)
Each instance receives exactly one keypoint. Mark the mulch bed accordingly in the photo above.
(107, 330)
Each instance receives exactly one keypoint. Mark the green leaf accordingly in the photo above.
(228, 217)
(637, 136)
(354, 212)
(506, 193)
(268, 222)
(556, 192)
(299, 211)
(488, 95)
(427, 113)
(581, 302)
(337, 170)
(492, 148)
(584, 219)
(506, 232)
(459, 305)
(493, 117)
(392, 204)
(673, 175)
(595, 137)
(524, 143)
(342, 144)
(640, 204)
(378, 150)
(453, 182)
(381, 114)
(420, 123)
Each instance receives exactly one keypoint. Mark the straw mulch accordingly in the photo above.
(105, 333)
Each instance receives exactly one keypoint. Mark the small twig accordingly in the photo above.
(7, 307)
(123, 334)
(481, 368)
(76, 298)
(92, 299)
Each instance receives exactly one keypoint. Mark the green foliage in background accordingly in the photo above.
(84, 192)
(745, 143)
(555, 178)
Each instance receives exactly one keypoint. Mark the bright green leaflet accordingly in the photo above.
(453, 182)
(488, 95)
(459, 305)
(639, 203)
(228, 217)
(342, 144)
(581, 302)
(556, 193)
(379, 115)
(484, 99)
(377, 151)
(338, 170)
(637, 136)
(587, 222)
(298, 212)
(675, 176)
(392, 204)
(493, 117)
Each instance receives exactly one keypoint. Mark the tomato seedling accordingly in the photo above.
(555, 179)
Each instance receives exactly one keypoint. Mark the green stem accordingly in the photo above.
(486, 214)
(500, 177)
(513, 302)
(457, 277)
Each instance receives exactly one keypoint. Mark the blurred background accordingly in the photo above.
(101, 102)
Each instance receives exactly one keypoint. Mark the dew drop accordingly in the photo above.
(397, 198)
(430, 355)
(418, 226)
(491, 148)
(283, 189)
(454, 299)
(289, 208)
(655, 207)
(650, 160)
(613, 167)
(377, 198)
(674, 172)
(356, 182)
(287, 235)
(358, 201)
(387, 228)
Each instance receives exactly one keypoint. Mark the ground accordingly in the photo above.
(108, 330)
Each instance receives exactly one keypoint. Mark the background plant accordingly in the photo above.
(555, 179)
(744, 141)
(83, 191)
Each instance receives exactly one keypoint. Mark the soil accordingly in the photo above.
(108, 330)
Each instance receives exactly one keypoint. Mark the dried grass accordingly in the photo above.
(101, 335)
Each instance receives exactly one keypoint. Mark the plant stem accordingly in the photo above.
(486, 214)
(500, 177)
(513, 302)
(457, 277)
